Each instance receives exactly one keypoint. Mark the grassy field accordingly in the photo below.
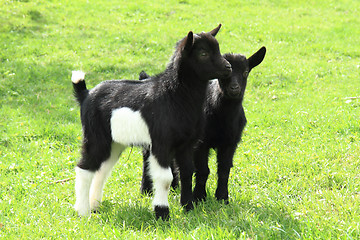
(296, 172)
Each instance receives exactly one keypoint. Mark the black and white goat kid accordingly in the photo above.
(224, 122)
(164, 112)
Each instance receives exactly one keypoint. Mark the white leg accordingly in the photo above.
(82, 187)
(102, 174)
(162, 178)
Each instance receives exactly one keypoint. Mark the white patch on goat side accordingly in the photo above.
(82, 188)
(102, 174)
(77, 76)
(162, 178)
(128, 127)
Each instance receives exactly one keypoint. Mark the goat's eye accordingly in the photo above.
(246, 73)
(203, 54)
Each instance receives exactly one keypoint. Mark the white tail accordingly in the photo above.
(77, 76)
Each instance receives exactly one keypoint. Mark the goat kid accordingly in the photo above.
(224, 122)
(163, 113)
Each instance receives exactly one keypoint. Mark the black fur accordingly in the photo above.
(171, 104)
(146, 182)
(80, 91)
(162, 212)
(225, 121)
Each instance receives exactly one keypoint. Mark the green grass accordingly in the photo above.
(296, 172)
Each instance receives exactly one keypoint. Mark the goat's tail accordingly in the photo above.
(80, 90)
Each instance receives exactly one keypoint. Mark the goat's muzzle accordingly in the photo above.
(234, 91)
(227, 70)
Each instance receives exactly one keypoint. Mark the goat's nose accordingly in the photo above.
(228, 66)
(234, 87)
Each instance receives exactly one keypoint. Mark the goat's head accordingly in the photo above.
(201, 52)
(234, 86)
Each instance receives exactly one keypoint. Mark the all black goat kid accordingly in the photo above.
(163, 113)
(224, 123)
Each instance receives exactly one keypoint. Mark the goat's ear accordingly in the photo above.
(143, 75)
(189, 41)
(215, 30)
(257, 58)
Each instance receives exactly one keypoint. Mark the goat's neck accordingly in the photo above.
(189, 91)
(192, 86)
(184, 86)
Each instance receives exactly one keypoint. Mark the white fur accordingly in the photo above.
(77, 76)
(82, 187)
(128, 127)
(162, 178)
(102, 174)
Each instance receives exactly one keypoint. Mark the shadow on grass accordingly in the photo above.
(234, 219)
(123, 214)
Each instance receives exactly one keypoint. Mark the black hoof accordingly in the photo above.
(199, 195)
(146, 191)
(224, 200)
(189, 207)
(162, 212)
(199, 198)
(175, 184)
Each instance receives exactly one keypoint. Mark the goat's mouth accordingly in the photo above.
(233, 93)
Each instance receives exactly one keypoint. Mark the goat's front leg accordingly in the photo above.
(225, 156)
(184, 160)
(202, 172)
(146, 182)
(161, 177)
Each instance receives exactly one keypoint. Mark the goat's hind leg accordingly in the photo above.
(102, 174)
(82, 187)
(93, 154)
(146, 182)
